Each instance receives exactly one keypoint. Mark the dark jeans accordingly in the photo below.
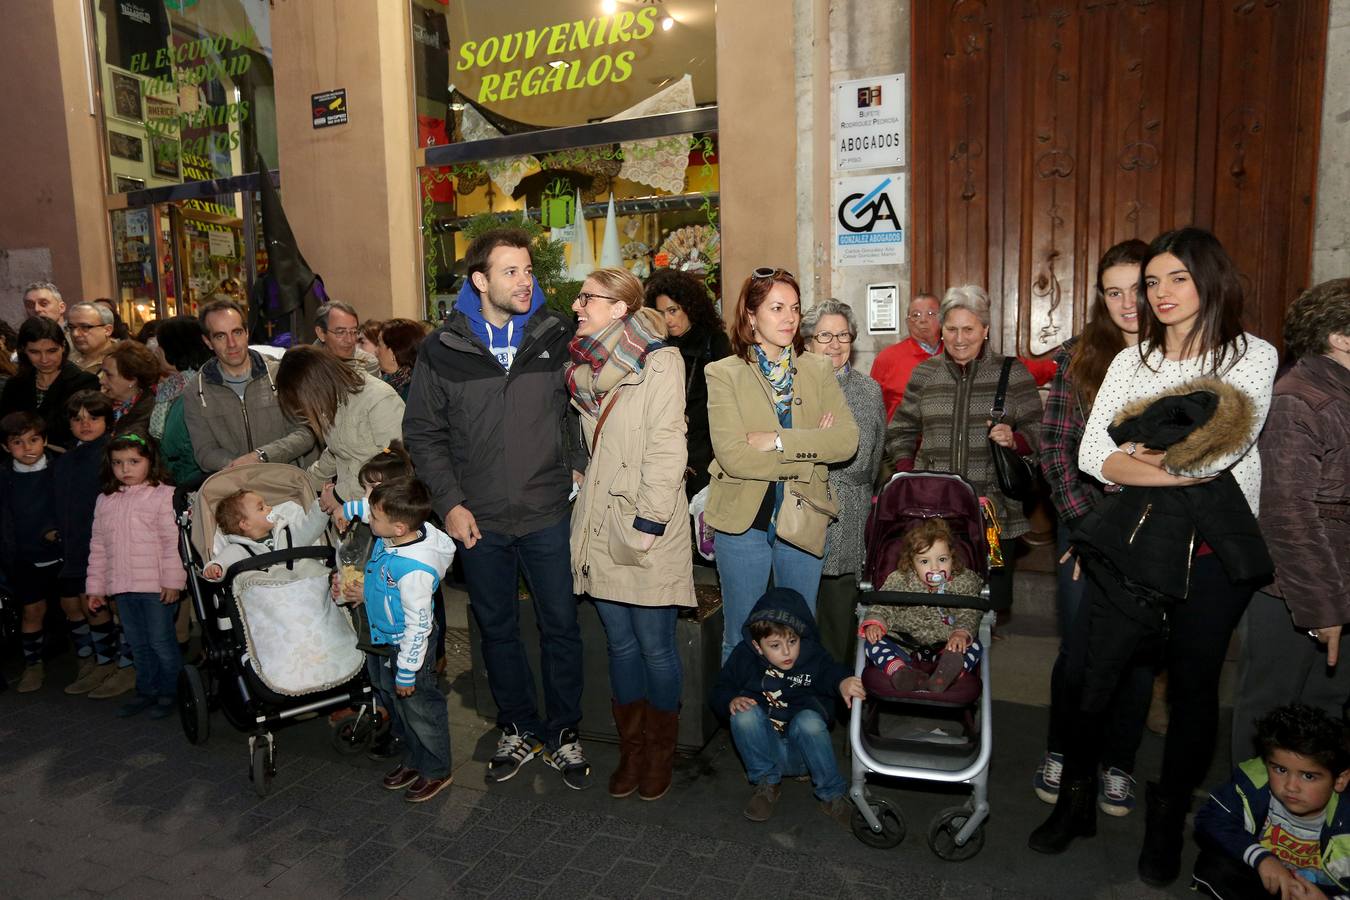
(383, 696)
(492, 569)
(1191, 643)
(1281, 664)
(835, 616)
(644, 662)
(424, 722)
(1123, 725)
(1222, 876)
(149, 628)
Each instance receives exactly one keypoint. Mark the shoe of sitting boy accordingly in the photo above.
(569, 759)
(514, 750)
(761, 803)
(1047, 778)
(1115, 792)
(91, 679)
(423, 789)
(841, 810)
(163, 708)
(31, 679)
(116, 684)
(386, 746)
(399, 778)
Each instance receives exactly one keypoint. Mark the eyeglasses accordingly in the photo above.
(771, 272)
(72, 327)
(824, 337)
(343, 332)
(586, 297)
(916, 316)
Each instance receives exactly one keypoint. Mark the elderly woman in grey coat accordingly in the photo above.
(829, 329)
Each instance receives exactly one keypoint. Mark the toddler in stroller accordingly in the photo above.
(937, 718)
(246, 526)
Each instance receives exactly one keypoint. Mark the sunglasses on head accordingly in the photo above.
(771, 272)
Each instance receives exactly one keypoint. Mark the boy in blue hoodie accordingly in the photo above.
(406, 566)
(1278, 828)
(779, 687)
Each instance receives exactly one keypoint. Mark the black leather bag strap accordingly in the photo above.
(1001, 392)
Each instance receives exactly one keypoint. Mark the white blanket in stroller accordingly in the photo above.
(298, 639)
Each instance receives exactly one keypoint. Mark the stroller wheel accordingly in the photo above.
(355, 734)
(942, 835)
(193, 710)
(892, 826)
(262, 765)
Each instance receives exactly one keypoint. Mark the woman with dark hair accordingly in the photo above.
(1190, 329)
(178, 341)
(778, 418)
(1293, 647)
(696, 330)
(396, 351)
(369, 338)
(128, 378)
(354, 415)
(9, 340)
(1081, 362)
(45, 379)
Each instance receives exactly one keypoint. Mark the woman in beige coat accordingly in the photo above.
(630, 527)
(778, 417)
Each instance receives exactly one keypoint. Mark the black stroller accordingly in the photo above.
(275, 649)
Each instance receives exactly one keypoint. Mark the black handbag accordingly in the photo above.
(1016, 478)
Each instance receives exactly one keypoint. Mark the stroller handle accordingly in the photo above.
(912, 598)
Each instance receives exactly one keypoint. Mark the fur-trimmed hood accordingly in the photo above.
(1196, 424)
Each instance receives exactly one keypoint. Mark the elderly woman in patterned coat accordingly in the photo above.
(830, 329)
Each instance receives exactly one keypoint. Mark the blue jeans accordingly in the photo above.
(424, 722)
(643, 659)
(383, 696)
(492, 569)
(744, 562)
(805, 749)
(149, 628)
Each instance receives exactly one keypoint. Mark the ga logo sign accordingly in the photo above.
(869, 221)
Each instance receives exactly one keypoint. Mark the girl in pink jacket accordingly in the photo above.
(134, 562)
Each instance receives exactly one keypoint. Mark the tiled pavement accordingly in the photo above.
(95, 806)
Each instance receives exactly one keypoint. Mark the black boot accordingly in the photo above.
(1164, 828)
(1075, 815)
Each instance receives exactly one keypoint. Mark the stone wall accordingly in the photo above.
(1331, 233)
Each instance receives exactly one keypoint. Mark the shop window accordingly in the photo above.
(187, 89)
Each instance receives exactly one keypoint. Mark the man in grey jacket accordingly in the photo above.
(230, 406)
(488, 427)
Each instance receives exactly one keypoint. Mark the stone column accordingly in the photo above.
(1331, 230)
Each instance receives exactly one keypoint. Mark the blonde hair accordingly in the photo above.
(621, 285)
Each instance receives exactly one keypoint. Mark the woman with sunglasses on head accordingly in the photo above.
(778, 418)
(830, 330)
(630, 525)
(1189, 328)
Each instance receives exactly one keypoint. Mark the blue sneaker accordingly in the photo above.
(1115, 792)
(1048, 775)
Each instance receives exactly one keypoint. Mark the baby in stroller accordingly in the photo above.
(246, 526)
(925, 648)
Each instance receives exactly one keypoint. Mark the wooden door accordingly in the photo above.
(1045, 132)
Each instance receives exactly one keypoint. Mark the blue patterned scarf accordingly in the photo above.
(779, 376)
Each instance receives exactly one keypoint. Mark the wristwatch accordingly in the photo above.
(262, 455)
(1134, 445)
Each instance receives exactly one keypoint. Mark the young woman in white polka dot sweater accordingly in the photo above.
(1190, 326)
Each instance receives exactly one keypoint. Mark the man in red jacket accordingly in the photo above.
(893, 366)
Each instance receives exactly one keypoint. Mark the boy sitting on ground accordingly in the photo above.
(249, 527)
(779, 687)
(1278, 828)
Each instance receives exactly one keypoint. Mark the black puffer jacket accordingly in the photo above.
(1139, 542)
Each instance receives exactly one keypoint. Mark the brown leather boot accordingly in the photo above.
(663, 730)
(629, 719)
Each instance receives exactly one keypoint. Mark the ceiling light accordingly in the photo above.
(667, 23)
(608, 7)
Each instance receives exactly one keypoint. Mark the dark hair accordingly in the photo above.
(180, 338)
(150, 330)
(923, 536)
(371, 328)
(136, 362)
(230, 511)
(403, 500)
(93, 402)
(220, 304)
(1306, 731)
(476, 256)
(312, 383)
(146, 446)
(1317, 314)
(689, 293)
(765, 628)
(390, 463)
(403, 337)
(1218, 328)
(9, 340)
(752, 295)
(1100, 340)
(39, 328)
(20, 423)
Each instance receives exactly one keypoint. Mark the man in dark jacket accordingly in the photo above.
(779, 687)
(489, 430)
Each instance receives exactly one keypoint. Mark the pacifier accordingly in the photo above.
(937, 579)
